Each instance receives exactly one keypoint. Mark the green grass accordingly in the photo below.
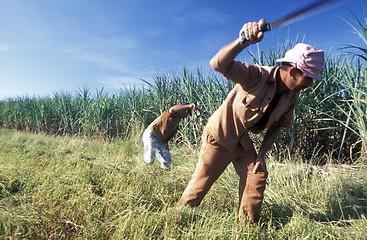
(79, 188)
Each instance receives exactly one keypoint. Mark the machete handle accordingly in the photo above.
(266, 28)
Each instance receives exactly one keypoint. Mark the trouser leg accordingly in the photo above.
(163, 156)
(149, 149)
(251, 186)
(212, 162)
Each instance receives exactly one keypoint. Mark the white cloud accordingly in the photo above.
(106, 53)
(212, 16)
(87, 43)
(101, 61)
(203, 15)
(120, 82)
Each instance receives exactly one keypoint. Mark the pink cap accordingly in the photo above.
(306, 58)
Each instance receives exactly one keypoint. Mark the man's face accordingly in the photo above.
(302, 81)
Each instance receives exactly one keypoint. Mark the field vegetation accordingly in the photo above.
(77, 188)
(330, 117)
(71, 163)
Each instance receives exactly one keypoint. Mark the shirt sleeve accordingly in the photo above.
(243, 73)
(179, 110)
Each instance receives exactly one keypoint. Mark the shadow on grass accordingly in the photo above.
(341, 211)
(9, 187)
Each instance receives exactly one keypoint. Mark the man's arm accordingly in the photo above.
(269, 139)
(178, 108)
(222, 61)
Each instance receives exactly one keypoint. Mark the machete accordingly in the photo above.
(295, 16)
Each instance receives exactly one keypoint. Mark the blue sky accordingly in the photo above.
(49, 46)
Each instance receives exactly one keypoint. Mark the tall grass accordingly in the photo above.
(330, 117)
(352, 107)
(107, 115)
(351, 101)
(357, 87)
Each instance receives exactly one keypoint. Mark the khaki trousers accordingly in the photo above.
(213, 160)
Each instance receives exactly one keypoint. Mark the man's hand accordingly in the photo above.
(193, 106)
(253, 31)
(259, 163)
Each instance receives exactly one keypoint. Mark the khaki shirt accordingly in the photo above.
(166, 125)
(247, 102)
